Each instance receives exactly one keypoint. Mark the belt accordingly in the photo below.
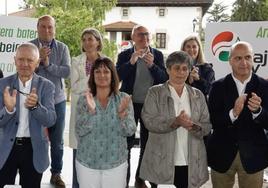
(22, 140)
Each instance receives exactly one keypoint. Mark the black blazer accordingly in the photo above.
(127, 72)
(245, 134)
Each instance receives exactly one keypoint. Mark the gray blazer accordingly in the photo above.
(40, 118)
(158, 115)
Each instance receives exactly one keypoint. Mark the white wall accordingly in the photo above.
(177, 23)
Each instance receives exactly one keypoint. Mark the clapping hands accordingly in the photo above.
(184, 120)
(9, 99)
(90, 102)
(123, 106)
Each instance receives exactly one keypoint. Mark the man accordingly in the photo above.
(26, 109)
(139, 68)
(1, 74)
(238, 105)
(54, 65)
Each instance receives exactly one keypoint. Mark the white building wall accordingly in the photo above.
(177, 24)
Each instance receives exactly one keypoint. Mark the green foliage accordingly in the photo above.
(250, 10)
(217, 13)
(72, 17)
(109, 48)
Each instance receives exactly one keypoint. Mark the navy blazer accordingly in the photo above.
(245, 134)
(127, 72)
(40, 118)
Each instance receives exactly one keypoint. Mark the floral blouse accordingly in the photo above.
(102, 142)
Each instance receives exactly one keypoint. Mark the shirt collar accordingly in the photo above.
(173, 91)
(27, 84)
(239, 82)
(51, 44)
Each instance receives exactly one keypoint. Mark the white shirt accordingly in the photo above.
(181, 145)
(23, 127)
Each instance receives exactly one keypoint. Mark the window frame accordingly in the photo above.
(161, 40)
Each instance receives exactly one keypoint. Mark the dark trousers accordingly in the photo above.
(75, 182)
(20, 160)
(180, 178)
(143, 139)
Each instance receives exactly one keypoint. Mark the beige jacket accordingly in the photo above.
(158, 115)
(78, 86)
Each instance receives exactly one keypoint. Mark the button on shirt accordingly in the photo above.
(23, 129)
(181, 146)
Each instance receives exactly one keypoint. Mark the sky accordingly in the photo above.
(12, 6)
(227, 3)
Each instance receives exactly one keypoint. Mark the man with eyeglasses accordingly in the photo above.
(139, 68)
(26, 110)
(238, 106)
(55, 66)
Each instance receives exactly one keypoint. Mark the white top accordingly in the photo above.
(181, 146)
(23, 129)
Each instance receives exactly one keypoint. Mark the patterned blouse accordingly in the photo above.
(102, 142)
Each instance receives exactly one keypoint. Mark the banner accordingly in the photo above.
(13, 32)
(220, 37)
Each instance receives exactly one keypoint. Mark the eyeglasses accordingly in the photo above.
(21, 92)
(145, 34)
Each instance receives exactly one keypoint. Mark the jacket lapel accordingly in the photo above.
(252, 85)
(230, 91)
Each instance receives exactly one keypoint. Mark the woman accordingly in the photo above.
(104, 118)
(202, 74)
(177, 118)
(91, 44)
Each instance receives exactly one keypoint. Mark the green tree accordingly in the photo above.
(72, 16)
(250, 10)
(217, 13)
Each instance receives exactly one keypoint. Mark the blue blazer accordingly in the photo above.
(40, 118)
(245, 134)
(127, 72)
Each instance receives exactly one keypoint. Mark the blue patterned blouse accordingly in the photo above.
(102, 142)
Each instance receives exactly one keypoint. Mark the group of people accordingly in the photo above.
(178, 105)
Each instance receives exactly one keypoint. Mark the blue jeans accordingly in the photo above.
(56, 139)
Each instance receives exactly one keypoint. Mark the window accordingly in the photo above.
(125, 12)
(162, 12)
(160, 40)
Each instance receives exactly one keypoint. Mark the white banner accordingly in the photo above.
(13, 32)
(221, 36)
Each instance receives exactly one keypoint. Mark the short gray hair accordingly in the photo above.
(179, 57)
(29, 45)
(137, 27)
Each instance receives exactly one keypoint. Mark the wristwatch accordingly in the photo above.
(34, 107)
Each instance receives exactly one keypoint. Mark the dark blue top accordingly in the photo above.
(207, 77)
(127, 72)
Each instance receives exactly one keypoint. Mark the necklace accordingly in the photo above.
(88, 67)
